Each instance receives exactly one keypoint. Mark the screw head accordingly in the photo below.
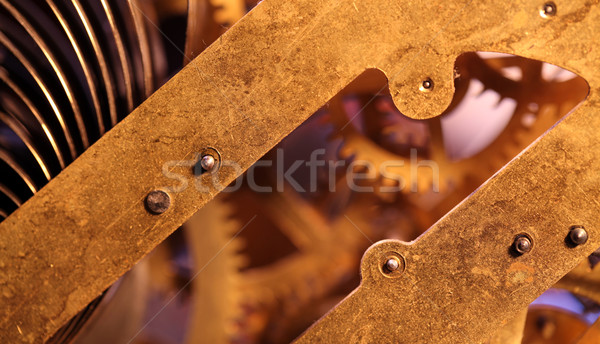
(207, 162)
(522, 244)
(157, 202)
(392, 264)
(578, 235)
(426, 85)
(548, 10)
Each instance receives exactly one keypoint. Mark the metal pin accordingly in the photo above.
(207, 162)
(157, 202)
(392, 264)
(548, 10)
(578, 235)
(426, 85)
(522, 244)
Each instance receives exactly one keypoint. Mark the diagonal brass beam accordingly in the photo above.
(462, 280)
(263, 78)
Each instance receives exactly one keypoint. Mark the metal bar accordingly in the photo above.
(257, 83)
(462, 269)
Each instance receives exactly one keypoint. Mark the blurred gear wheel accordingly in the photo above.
(372, 130)
(281, 258)
(212, 236)
(201, 32)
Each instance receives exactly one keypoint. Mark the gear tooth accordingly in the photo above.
(480, 93)
(346, 152)
(242, 262)
(227, 11)
(237, 244)
(213, 250)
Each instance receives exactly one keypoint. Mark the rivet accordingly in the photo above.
(578, 235)
(548, 10)
(207, 162)
(426, 85)
(157, 202)
(392, 264)
(522, 244)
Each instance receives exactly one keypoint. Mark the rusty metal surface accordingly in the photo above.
(272, 70)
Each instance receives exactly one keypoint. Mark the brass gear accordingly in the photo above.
(277, 285)
(227, 12)
(201, 32)
(216, 304)
(540, 103)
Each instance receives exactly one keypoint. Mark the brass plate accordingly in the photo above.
(257, 83)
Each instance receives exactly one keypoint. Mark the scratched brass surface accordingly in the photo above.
(258, 82)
